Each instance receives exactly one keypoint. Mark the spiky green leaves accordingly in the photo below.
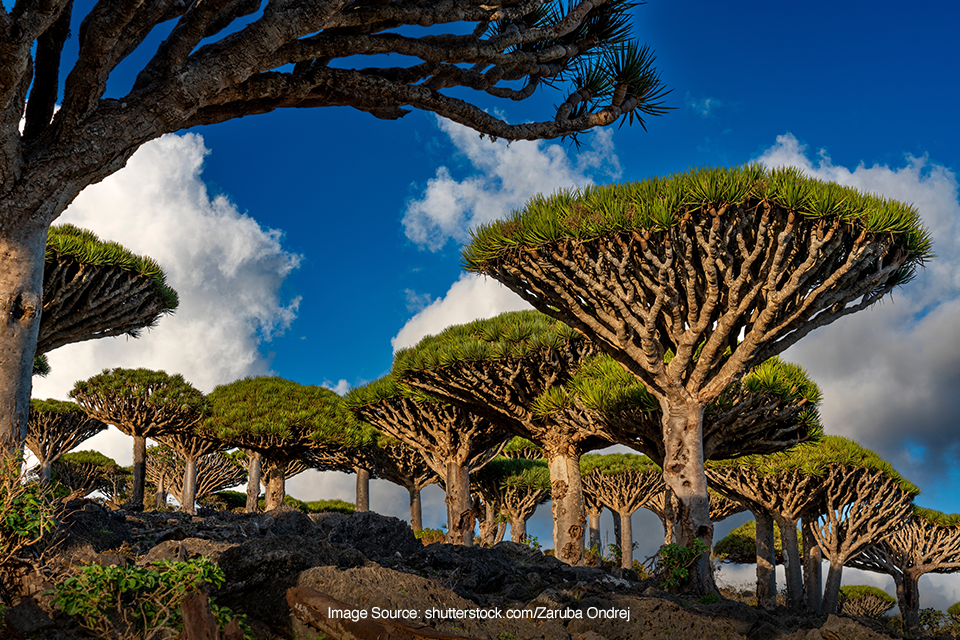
(282, 418)
(601, 385)
(512, 335)
(658, 204)
(615, 463)
(517, 473)
(66, 241)
(815, 459)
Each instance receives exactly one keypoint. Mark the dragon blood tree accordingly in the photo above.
(927, 542)
(96, 289)
(518, 447)
(216, 471)
(498, 368)
(452, 440)
(391, 460)
(141, 403)
(86, 471)
(56, 427)
(516, 486)
(622, 483)
(191, 448)
(281, 420)
(689, 281)
(864, 601)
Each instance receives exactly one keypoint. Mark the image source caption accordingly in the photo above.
(535, 613)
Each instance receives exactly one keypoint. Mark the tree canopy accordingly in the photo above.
(56, 427)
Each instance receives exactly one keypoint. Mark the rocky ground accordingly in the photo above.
(283, 568)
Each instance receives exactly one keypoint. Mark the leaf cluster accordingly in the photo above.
(518, 447)
(27, 510)
(857, 590)
(601, 385)
(152, 387)
(52, 405)
(615, 463)
(66, 241)
(937, 517)
(278, 413)
(516, 473)
(511, 335)
(658, 204)
(815, 458)
(675, 561)
(740, 545)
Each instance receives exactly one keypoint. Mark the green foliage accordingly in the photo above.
(601, 385)
(82, 245)
(329, 506)
(27, 510)
(91, 457)
(50, 405)
(937, 517)
(515, 473)
(851, 591)
(114, 601)
(954, 612)
(229, 500)
(814, 458)
(41, 365)
(658, 204)
(155, 389)
(674, 563)
(521, 447)
(277, 415)
(429, 536)
(511, 335)
(532, 542)
(614, 463)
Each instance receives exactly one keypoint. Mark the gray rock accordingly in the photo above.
(288, 521)
(375, 536)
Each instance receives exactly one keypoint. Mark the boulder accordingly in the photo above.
(375, 536)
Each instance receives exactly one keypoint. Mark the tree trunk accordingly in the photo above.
(812, 566)
(566, 489)
(501, 530)
(595, 533)
(188, 496)
(45, 471)
(669, 518)
(459, 511)
(626, 540)
(416, 511)
(791, 563)
(617, 536)
(488, 527)
(276, 487)
(22, 251)
(518, 530)
(831, 591)
(139, 474)
(363, 490)
(684, 477)
(254, 467)
(162, 492)
(766, 561)
(909, 602)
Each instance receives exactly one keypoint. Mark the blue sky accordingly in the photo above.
(306, 243)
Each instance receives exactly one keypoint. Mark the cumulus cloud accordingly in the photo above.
(505, 176)
(889, 374)
(226, 268)
(471, 297)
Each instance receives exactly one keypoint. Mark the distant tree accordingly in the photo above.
(87, 471)
(191, 448)
(143, 404)
(622, 482)
(498, 368)
(517, 486)
(392, 460)
(56, 427)
(518, 447)
(451, 440)
(690, 281)
(216, 471)
(96, 289)
(281, 420)
(740, 545)
(864, 601)
(927, 542)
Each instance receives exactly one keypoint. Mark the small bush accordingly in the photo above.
(674, 563)
(429, 536)
(326, 506)
(27, 511)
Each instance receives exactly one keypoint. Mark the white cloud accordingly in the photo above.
(890, 373)
(471, 297)
(506, 175)
(703, 106)
(340, 388)
(226, 268)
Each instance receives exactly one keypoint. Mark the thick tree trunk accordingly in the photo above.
(566, 490)
(189, 494)
(459, 511)
(488, 527)
(617, 535)
(766, 561)
(276, 487)
(831, 590)
(363, 490)
(791, 563)
(22, 250)
(416, 511)
(626, 540)
(501, 531)
(45, 471)
(684, 477)
(162, 492)
(908, 597)
(518, 530)
(254, 467)
(595, 533)
(812, 566)
(139, 474)
(669, 519)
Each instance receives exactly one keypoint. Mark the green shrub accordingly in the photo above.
(674, 563)
(429, 536)
(142, 602)
(27, 510)
(327, 506)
